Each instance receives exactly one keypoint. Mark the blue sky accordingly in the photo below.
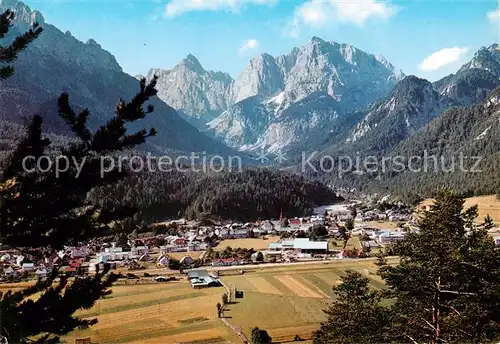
(427, 38)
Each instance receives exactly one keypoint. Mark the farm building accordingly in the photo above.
(197, 274)
(390, 237)
(300, 245)
(370, 244)
(172, 248)
(138, 251)
(163, 260)
(226, 262)
(201, 279)
(186, 260)
(112, 254)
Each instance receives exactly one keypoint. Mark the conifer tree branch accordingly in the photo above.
(10, 53)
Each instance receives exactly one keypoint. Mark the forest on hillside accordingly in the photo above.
(244, 196)
(469, 134)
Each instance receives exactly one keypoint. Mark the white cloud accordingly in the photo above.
(494, 16)
(248, 45)
(442, 58)
(317, 13)
(178, 7)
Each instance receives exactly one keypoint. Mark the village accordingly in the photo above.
(213, 275)
(334, 232)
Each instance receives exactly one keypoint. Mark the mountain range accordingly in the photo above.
(415, 102)
(276, 102)
(324, 96)
(57, 62)
(462, 148)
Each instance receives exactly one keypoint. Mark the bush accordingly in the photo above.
(174, 264)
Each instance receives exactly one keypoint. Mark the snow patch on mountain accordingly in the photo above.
(338, 75)
(483, 134)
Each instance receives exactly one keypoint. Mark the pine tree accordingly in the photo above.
(356, 315)
(488, 222)
(225, 299)
(41, 212)
(219, 309)
(9, 53)
(259, 257)
(260, 336)
(446, 288)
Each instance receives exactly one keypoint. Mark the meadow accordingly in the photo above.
(170, 312)
(486, 204)
(288, 300)
(255, 243)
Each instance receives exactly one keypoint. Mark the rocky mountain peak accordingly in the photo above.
(316, 40)
(23, 12)
(494, 46)
(93, 43)
(62, 46)
(192, 63)
(197, 94)
(409, 85)
(487, 58)
(412, 103)
(474, 81)
(262, 77)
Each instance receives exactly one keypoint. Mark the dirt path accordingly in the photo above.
(235, 329)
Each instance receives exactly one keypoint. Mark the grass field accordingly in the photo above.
(4, 287)
(179, 255)
(289, 300)
(381, 224)
(337, 244)
(157, 313)
(256, 244)
(487, 205)
(285, 300)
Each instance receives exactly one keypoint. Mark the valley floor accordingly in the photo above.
(284, 299)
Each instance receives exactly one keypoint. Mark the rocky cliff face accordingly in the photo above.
(262, 78)
(299, 93)
(411, 105)
(192, 90)
(415, 102)
(475, 80)
(57, 62)
(349, 75)
(486, 58)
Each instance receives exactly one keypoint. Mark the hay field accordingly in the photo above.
(487, 205)
(4, 287)
(179, 255)
(157, 313)
(337, 244)
(255, 243)
(381, 224)
(289, 300)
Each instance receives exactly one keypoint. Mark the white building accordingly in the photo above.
(299, 246)
(139, 251)
(111, 254)
(390, 237)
